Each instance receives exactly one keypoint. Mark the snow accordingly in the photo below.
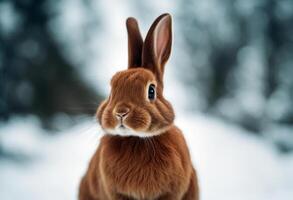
(234, 164)
(231, 163)
(56, 162)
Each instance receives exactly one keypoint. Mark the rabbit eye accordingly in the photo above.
(152, 92)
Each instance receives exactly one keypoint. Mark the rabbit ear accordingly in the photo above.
(157, 46)
(135, 43)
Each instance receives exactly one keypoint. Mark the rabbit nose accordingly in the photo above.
(122, 112)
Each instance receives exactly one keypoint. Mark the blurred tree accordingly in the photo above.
(240, 55)
(35, 74)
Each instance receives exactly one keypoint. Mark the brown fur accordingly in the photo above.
(155, 163)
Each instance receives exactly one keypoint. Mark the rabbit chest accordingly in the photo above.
(141, 167)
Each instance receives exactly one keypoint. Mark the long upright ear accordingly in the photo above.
(157, 46)
(135, 43)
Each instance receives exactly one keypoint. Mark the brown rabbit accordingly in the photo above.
(142, 155)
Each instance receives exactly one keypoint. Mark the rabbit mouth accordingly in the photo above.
(124, 130)
(136, 124)
(122, 126)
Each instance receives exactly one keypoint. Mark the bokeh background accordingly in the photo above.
(230, 79)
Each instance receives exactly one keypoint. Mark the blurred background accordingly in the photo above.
(230, 79)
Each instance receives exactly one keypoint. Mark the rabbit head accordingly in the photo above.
(136, 105)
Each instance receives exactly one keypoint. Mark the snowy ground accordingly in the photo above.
(231, 163)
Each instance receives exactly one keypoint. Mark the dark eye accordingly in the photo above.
(152, 92)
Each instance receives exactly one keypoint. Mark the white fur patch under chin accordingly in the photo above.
(130, 132)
